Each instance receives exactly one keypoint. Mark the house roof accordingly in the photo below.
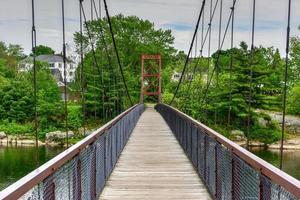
(46, 58)
(57, 74)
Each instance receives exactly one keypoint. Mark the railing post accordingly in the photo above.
(261, 190)
(104, 164)
(217, 175)
(191, 140)
(49, 189)
(204, 157)
(93, 174)
(235, 178)
(77, 181)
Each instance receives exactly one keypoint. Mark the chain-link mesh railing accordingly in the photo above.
(227, 170)
(83, 176)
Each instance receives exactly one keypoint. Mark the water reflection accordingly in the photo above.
(291, 159)
(17, 161)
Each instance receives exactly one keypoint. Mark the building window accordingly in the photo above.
(59, 65)
(71, 73)
(52, 65)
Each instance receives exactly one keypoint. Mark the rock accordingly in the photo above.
(292, 123)
(237, 135)
(237, 132)
(26, 142)
(262, 122)
(58, 136)
(2, 135)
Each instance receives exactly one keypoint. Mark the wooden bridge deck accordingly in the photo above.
(153, 166)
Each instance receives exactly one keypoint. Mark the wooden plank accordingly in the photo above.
(153, 166)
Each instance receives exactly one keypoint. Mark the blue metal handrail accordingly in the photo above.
(81, 171)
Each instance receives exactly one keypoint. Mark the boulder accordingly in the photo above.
(237, 135)
(292, 123)
(57, 136)
(262, 122)
(2, 135)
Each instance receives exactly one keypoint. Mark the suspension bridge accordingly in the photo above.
(155, 152)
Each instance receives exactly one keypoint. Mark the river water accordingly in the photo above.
(291, 159)
(16, 162)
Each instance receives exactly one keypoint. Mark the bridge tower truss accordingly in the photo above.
(151, 76)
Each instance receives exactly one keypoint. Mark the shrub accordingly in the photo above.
(13, 128)
(75, 119)
(266, 135)
(293, 100)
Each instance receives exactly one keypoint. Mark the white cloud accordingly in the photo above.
(15, 20)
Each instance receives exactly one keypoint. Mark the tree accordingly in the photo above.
(43, 50)
(17, 102)
(294, 73)
(211, 104)
(134, 37)
(293, 100)
(16, 51)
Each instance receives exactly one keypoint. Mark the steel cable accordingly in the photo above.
(285, 81)
(65, 71)
(251, 73)
(82, 77)
(33, 45)
(189, 53)
(116, 51)
(218, 58)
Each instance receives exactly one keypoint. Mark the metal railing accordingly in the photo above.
(228, 170)
(81, 171)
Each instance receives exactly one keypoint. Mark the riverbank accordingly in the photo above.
(289, 144)
(31, 143)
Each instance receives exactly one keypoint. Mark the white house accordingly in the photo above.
(56, 66)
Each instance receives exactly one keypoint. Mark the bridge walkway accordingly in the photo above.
(153, 166)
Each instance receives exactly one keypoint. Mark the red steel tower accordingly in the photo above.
(151, 79)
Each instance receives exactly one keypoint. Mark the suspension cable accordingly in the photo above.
(94, 78)
(200, 51)
(208, 33)
(100, 9)
(189, 53)
(82, 77)
(219, 40)
(285, 81)
(93, 5)
(33, 45)
(116, 51)
(219, 52)
(231, 66)
(212, 14)
(91, 40)
(251, 73)
(65, 71)
(101, 34)
(92, 14)
(218, 58)
(90, 37)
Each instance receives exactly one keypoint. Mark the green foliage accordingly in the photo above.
(75, 120)
(14, 128)
(17, 99)
(212, 105)
(294, 100)
(43, 50)
(266, 135)
(134, 37)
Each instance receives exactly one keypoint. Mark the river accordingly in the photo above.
(291, 159)
(16, 162)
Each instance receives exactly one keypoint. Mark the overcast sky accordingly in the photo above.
(178, 15)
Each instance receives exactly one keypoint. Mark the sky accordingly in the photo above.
(178, 15)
